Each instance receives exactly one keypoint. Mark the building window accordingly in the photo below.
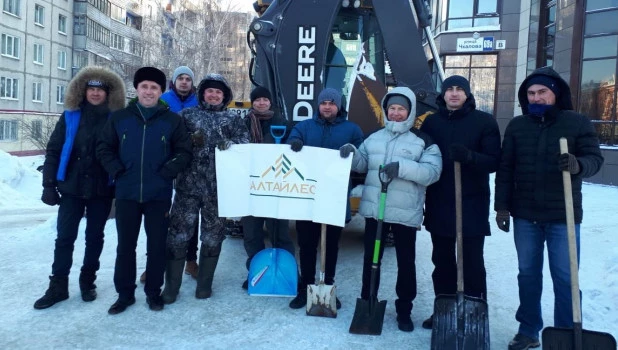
(547, 35)
(38, 54)
(117, 41)
(62, 24)
(597, 97)
(37, 95)
(62, 60)
(10, 46)
(11, 6)
(79, 25)
(36, 129)
(60, 94)
(98, 32)
(118, 13)
(468, 14)
(39, 15)
(8, 88)
(8, 130)
(101, 5)
(135, 47)
(480, 70)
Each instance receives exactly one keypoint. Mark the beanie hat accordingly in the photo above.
(98, 84)
(151, 74)
(330, 94)
(260, 91)
(215, 84)
(182, 70)
(456, 80)
(544, 80)
(398, 100)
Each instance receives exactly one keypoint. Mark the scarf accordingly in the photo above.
(256, 126)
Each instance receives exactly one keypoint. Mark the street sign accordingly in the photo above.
(500, 44)
(475, 45)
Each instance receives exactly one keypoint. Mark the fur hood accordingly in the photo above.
(76, 91)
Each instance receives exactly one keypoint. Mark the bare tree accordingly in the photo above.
(38, 130)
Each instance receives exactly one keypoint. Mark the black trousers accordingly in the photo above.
(308, 235)
(405, 249)
(70, 214)
(128, 221)
(445, 266)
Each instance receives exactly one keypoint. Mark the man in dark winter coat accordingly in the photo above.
(181, 96)
(329, 128)
(143, 147)
(211, 126)
(71, 167)
(529, 188)
(472, 138)
(259, 120)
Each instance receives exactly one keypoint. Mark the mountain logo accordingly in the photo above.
(282, 179)
(282, 167)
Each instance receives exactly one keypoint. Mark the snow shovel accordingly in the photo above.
(369, 314)
(459, 321)
(322, 298)
(277, 132)
(576, 338)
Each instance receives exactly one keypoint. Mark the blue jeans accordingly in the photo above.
(530, 238)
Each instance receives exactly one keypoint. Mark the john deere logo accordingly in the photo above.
(282, 179)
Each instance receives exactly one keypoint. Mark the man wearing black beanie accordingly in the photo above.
(529, 188)
(143, 147)
(472, 138)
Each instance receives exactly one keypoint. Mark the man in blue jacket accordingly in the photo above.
(143, 147)
(327, 129)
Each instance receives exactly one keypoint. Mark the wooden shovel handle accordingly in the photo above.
(459, 227)
(322, 251)
(568, 204)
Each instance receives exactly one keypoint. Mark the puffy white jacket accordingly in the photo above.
(420, 165)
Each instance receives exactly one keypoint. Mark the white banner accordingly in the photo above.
(270, 180)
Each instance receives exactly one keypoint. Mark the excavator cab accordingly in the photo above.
(359, 47)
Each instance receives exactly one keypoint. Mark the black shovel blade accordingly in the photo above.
(368, 317)
(563, 339)
(460, 322)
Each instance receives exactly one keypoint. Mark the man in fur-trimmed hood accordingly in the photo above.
(73, 171)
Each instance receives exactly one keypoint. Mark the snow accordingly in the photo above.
(231, 318)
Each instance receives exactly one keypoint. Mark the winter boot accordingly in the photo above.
(209, 256)
(300, 300)
(58, 291)
(173, 280)
(428, 323)
(404, 321)
(142, 278)
(87, 286)
(191, 268)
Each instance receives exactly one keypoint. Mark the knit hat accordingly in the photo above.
(398, 100)
(330, 94)
(151, 74)
(182, 70)
(260, 91)
(544, 80)
(215, 84)
(456, 80)
(98, 84)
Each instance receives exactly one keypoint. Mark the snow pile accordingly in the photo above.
(20, 182)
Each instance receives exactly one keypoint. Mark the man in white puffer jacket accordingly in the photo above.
(413, 162)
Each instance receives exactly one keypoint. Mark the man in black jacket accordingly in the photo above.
(472, 138)
(71, 169)
(529, 188)
(143, 147)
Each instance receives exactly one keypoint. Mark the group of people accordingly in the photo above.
(101, 149)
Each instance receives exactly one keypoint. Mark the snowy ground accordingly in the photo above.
(231, 318)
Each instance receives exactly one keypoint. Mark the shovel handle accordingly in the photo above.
(322, 252)
(459, 227)
(568, 204)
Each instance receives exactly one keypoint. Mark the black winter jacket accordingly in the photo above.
(145, 154)
(528, 181)
(85, 177)
(479, 132)
(276, 120)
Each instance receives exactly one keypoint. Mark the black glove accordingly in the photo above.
(568, 162)
(503, 219)
(296, 145)
(460, 153)
(391, 170)
(223, 145)
(50, 196)
(198, 138)
(345, 150)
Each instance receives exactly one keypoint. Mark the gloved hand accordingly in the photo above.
(503, 219)
(345, 150)
(391, 170)
(198, 138)
(296, 145)
(50, 196)
(223, 145)
(568, 162)
(460, 153)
